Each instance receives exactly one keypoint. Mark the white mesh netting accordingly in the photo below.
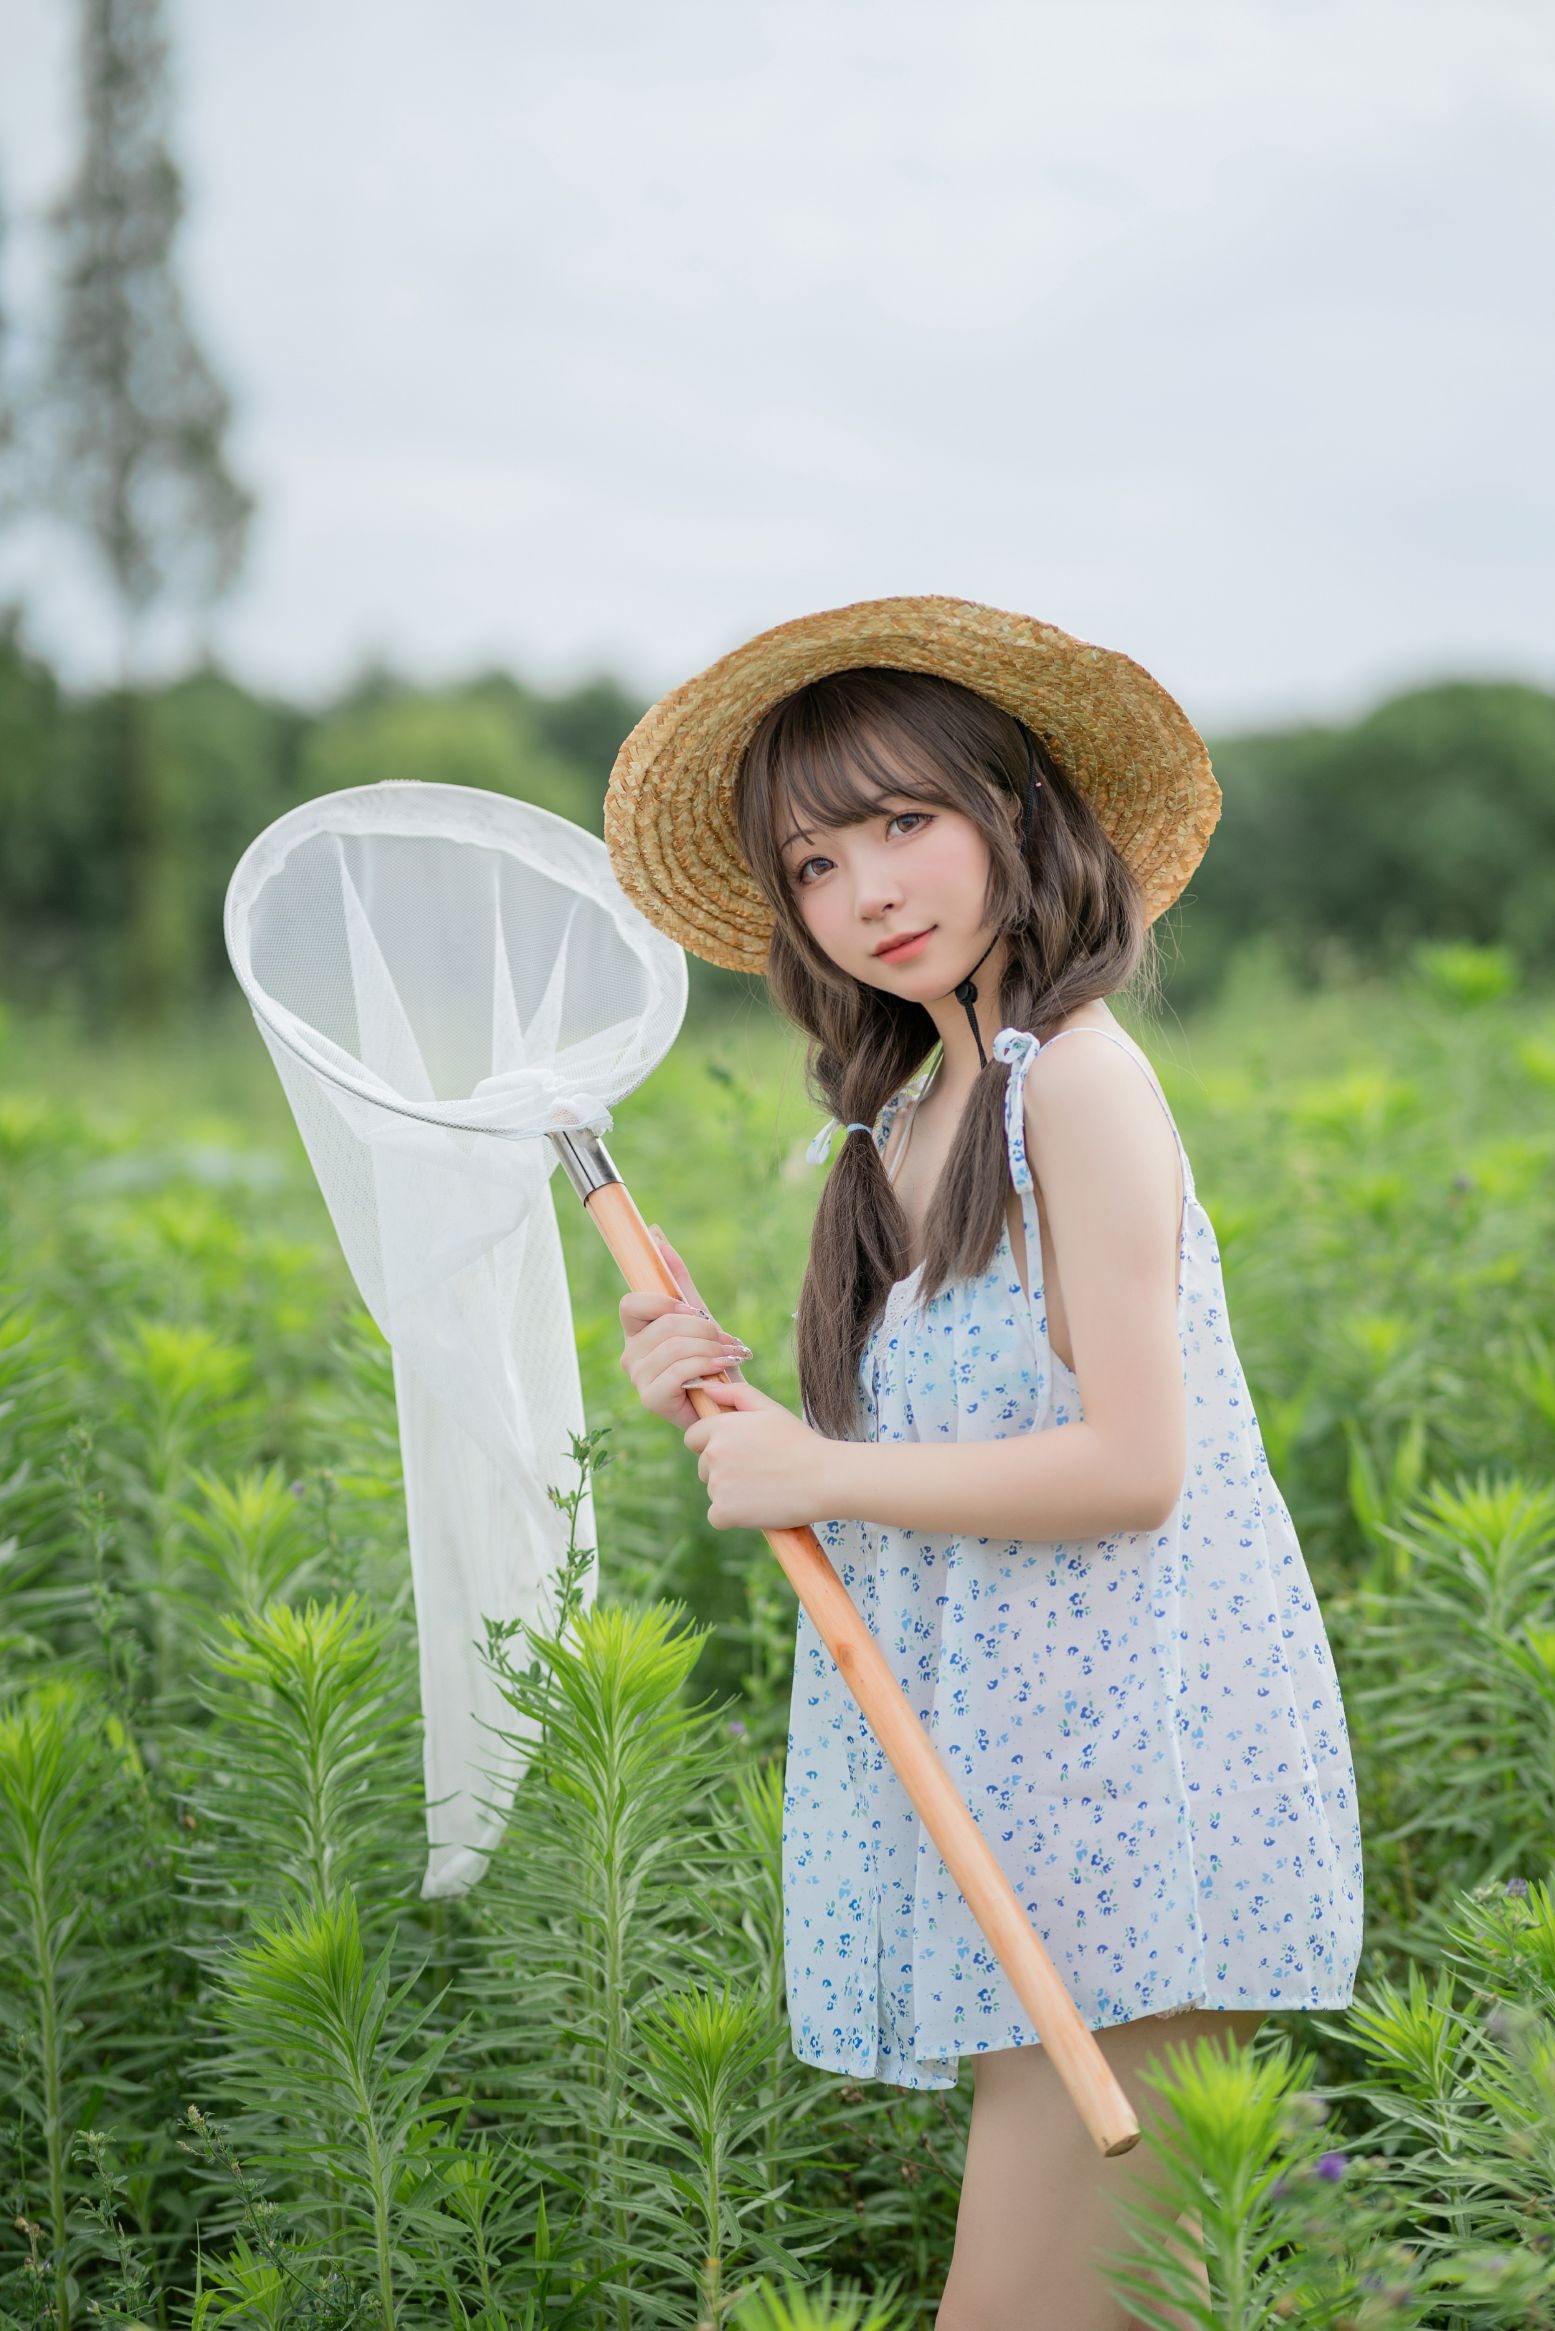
(440, 974)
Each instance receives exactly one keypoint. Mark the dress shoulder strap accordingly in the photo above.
(1020, 1051)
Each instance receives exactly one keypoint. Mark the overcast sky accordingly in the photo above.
(603, 335)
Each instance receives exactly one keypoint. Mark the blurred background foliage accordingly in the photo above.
(1341, 847)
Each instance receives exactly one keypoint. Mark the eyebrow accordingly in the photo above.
(807, 833)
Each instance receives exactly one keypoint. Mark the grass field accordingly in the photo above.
(250, 2076)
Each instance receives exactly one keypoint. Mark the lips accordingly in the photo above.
(901, 949)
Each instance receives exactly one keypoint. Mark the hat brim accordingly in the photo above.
(1114, 731)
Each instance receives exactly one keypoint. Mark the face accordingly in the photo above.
(908, 871)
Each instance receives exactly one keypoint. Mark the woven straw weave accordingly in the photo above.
(669, 815)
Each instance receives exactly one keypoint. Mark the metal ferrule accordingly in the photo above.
(585, 1160)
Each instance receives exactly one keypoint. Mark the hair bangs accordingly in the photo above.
(832, 772)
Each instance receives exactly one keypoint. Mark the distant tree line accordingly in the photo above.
(1433, 817)
(220, 763)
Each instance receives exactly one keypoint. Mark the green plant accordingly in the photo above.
(1452, 1662)
(1458, 2084)
(302, 1781)
(1463, 974)
(791, 2306)
(335, 2068)
(721, 2136)
(67, 1908)
(1249, 2159)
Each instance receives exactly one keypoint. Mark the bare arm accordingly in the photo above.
(1107, 1166)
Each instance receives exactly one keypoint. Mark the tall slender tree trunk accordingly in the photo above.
(143, 980)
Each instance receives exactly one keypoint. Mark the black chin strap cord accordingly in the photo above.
(966, 993)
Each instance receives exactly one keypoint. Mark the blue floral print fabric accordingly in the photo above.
(1147, 1727)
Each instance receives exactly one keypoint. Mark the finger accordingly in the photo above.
(670, 1389)
(678, 1365)
(679, 1319)
(676, 1333)
(734, 1393)
(678, 1270)
(637, 1308)
(663, 1390)
(727, 1379)
(655, 1373)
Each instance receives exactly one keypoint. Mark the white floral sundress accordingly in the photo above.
(1147, 1727)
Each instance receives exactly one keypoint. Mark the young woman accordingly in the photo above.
(944, 831)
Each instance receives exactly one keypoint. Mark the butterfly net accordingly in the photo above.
(442, 976)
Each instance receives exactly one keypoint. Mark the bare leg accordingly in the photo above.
(1038, 2202)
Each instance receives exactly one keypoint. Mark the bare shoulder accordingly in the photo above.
(1096, 1110)
(1066, 1069)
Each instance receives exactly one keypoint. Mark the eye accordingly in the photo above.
(917, 817)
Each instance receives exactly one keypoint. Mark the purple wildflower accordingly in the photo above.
(1331, 2166)
(1517, 1888)
(736, 1728)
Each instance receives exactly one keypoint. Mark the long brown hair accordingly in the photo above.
(1070, 910)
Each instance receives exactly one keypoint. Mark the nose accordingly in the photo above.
(877, 888)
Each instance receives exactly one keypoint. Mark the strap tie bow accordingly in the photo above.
(1013, 1045)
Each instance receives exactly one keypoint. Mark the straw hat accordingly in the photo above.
(1115, 732)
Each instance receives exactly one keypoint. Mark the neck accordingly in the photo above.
(961, 1063)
